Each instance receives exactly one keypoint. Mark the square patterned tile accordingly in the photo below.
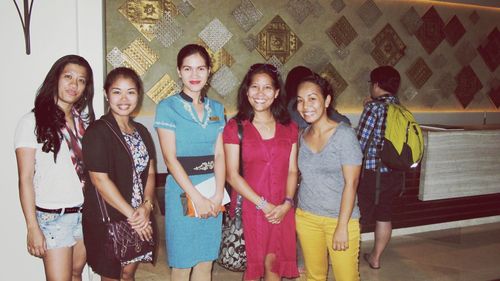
(342, 32)
(446, 84)
(250, 42)
(215, 35)
(219, 58)
(474, 17)
(162, 89)
(454, 30)
(389, 48)
(342, 53)
(115, 57)
(317, 8)
(144, 14)
(167, 30)
(419, 73)
(139, 56)
(494, 93)
(411, 20)
(431, 33)
(468, 84)
(369, 13)
(299, 9)
(315, 58)
(409, 93)
(185, 7)
(224, 81)
(336, 80)
(338, 5)
(246, 15)
(277, 39)
(278, 64)
(490, 49)
(465, 53)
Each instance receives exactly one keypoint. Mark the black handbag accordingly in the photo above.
(232, 253)
(122, 241)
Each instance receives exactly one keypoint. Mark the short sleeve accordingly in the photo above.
(165, 115)
(230, 134)
(25, 132)
(94, 149)
(350, 152)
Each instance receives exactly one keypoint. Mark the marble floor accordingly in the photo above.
(460, 254)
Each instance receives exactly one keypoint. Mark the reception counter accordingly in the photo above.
(460, 162)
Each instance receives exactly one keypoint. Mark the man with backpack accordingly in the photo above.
(379, 185)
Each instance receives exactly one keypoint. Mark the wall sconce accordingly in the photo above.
(26, 22)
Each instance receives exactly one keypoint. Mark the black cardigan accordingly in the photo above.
(103, 152)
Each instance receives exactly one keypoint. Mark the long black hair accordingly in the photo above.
(48, 115)
(278, 108)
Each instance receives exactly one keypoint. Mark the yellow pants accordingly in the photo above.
(315, 236)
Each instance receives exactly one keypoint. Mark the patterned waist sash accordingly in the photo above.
(197, 165)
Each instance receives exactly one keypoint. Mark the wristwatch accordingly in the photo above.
(290, 200)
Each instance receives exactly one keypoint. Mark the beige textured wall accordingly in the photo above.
(120, 33)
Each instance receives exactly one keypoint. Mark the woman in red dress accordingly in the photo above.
(269, 152)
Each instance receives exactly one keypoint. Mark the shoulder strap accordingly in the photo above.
(100, 200)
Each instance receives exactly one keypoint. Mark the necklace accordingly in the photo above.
(266, 125)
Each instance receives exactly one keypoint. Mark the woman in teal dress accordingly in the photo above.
(189, 127)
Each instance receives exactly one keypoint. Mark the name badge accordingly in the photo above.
(213, 118)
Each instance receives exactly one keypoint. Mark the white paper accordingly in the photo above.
(207, 188)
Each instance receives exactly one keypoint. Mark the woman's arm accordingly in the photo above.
(141, 217)
(204, 206)
(351, 179)
(220, 173)
(291, 186)
(233, 177)
(26, 169)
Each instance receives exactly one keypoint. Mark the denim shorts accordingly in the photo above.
(60, 230)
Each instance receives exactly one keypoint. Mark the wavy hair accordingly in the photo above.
(278, 108)
(48, 115)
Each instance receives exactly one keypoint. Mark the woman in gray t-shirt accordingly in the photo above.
(330, 162)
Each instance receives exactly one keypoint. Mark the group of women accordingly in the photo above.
(67, 161)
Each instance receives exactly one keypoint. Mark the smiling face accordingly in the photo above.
(194, 73)
(71, 85)
(123, 96)
(261, 92)
(311, 104)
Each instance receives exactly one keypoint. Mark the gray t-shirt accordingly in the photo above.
(320, 191)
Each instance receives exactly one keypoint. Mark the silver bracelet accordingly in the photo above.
(261, 204)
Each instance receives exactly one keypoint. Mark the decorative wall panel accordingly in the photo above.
(468, 84)
(389, 48)
(277, 39)
(490, 49)
(352, 36)
(419, 73)
(342, 33)
(336, 80)
(431, 32)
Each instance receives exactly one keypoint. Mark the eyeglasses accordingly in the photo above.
(266, 66)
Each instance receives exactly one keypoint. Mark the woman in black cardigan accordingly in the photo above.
(108, 149)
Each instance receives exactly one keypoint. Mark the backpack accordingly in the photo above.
(403, 140)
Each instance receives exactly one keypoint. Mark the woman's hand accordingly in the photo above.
(205, 207)
(36, 242)
(217, 201)
(278, 213)
(340, 238)
(146, 234)
(140, 218)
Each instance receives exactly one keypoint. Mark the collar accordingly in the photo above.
(387, 97)
(187, 98)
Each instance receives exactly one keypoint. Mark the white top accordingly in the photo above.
(56, 184)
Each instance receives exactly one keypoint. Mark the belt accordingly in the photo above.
(197, 165)
(61, 211)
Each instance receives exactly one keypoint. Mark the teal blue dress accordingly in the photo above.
(189, 240)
